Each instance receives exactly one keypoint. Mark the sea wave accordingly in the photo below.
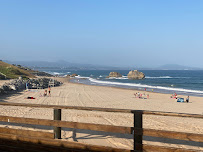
(161, 77)
(145, 86)
(81, 77)
(119, 78)
(164, 77)
(58, 73)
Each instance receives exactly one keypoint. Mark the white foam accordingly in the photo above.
(56, 73)
(82, 77)
(119, 78)
(164, 77)
(145, 86)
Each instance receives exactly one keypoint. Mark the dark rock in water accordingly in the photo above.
(136, 75)
(114, 74)
(73, 75)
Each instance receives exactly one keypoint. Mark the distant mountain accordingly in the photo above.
(177, 67)
(61, 64)
(78, 66)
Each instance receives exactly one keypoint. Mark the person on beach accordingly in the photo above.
(45, 93)
(135, 95)
(174, 96)
(26, 85)
(49, 89)
(187, 99)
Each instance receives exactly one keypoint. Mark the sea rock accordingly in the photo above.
(74, 74)
(136, 75)
(114, 74)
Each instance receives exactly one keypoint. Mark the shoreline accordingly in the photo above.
(137, 89)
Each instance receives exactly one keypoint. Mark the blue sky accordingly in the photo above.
(146, 33)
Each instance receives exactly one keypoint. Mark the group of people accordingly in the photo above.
(140, 95)
(49, 92)
(174, 96)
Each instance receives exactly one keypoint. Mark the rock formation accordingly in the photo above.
(114, 74)
(136, 75)
(2, 76)
(74, 74)
(20, 84)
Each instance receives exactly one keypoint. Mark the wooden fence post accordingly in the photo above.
(137, 124)
(57, 130)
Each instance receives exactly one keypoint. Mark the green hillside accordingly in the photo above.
(12, 72)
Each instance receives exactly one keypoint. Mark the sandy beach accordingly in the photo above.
(71, 94)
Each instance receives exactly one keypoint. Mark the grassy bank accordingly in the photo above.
(12, 72)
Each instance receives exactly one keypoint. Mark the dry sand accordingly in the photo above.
(71, 94)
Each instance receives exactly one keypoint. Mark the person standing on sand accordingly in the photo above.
(49, 90)
(45, 93)
(187, 99)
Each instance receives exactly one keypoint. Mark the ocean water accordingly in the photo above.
(188, 82)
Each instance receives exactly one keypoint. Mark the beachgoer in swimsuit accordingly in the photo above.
(187, 99)
(49, 89)
(45, 93)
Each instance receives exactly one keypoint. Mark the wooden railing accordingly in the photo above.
(137, 130)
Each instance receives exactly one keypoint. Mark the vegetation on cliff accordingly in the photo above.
(8, 71)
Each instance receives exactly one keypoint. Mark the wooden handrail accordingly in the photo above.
(106, 128)
(104, 109)
(137, 130)
(60, 143)
(66, 124)
(28, 133)
(170, 134)
(85, 147)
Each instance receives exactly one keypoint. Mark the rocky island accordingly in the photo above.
(135, 74)
(114, 74)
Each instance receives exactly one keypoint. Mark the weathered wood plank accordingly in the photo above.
(7, 145)
(106, 128)
(170, 134)
(103, 109)
(137, 124)
(153, 148)
(61, 144)
(66, 124)
(173, 114)
(28, 133)
(57, 130)
(55, 143)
